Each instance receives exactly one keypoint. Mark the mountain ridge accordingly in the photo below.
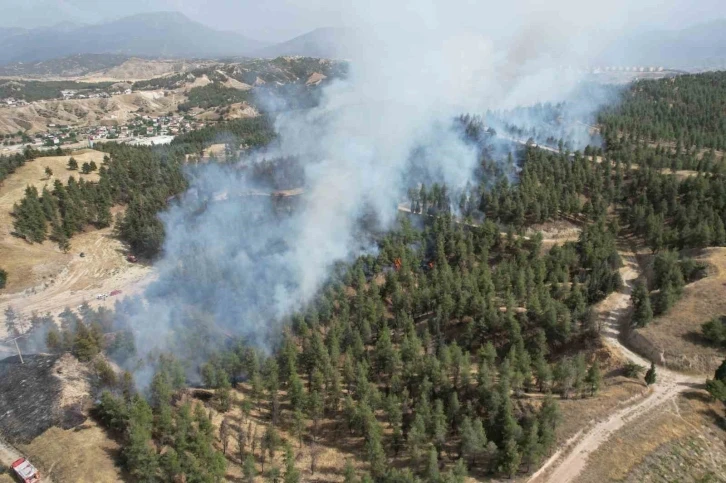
(323, 42)
(157, 34)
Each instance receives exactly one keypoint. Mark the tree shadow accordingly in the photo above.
(718, 419)
(697, 338)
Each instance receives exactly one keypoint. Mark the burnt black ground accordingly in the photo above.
(29, 397)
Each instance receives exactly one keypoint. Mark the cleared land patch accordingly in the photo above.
(40, 276)
(29, 264)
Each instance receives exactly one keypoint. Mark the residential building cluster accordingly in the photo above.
(138, 129)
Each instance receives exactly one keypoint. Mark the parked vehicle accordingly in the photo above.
(26, 471)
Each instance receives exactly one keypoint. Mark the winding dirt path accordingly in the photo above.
(567, 464)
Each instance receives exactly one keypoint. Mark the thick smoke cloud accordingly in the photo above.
(244, 267)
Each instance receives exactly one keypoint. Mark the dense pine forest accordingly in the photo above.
(425, 354)
(686, 109)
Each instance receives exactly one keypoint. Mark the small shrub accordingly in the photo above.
(632, 370)
(692, 270)
(715, 330)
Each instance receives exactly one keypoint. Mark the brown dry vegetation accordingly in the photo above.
(679, 442)
(82, 454)
(677, 334)
(25, 262)
(136, 69)
(335, 446)
(36, 116)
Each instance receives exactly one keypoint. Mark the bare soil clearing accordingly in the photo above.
(679, 442)
(40, 276)
(136, 69)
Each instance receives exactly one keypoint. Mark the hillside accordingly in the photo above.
(36, 116)
(459, 343)
(163, 86)
(330, 43)
(161, 34)
(72, 66)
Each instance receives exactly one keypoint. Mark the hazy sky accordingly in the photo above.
(276, 20)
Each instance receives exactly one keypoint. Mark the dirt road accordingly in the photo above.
(8, 455)
(567, 464)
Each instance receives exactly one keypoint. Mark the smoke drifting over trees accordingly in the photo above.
(243, 264)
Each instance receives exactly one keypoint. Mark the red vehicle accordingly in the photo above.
(131, 259)
(26, 471)
(114, 292)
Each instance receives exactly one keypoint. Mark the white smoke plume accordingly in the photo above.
(415, 66)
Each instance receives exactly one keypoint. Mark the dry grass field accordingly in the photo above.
(29, 264)
(40, 276)
(677, 334)
(84, 454)
(680, 442)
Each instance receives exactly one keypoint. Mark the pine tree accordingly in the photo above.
(532, 450)
(140, 458)
(30, 220)
(510, 458)
(11, 321)
(72, 164)
(432, 466)
(374, 447)
(650, 376)
(717, 386)
(594, 378)
(473, 439)
(417, 439)
(642, 312)
(349, 472)
(248, 469)
(225, 432)
(292, 475)
(543, 373)
(170, 465)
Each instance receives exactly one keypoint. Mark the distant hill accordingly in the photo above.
(160, 34)
(71, 66)
(326, 43)
(701, 46)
